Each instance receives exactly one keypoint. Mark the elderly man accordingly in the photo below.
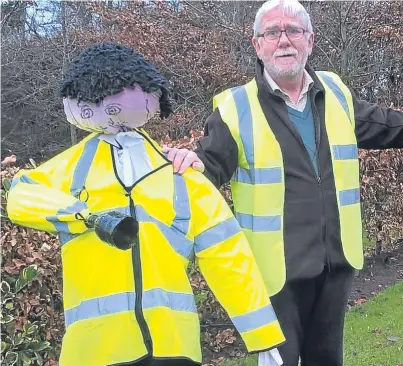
(288, 141)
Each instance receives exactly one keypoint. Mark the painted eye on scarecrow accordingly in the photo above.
(86, 112)
(112, 110)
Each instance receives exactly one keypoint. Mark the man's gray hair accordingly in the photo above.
(291, 7)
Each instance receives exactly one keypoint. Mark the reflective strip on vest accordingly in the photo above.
(337, 92)
(22, 179)
(71, 210)
(125, 301)
(64, 238)
(258, 175)
(254, 319)
(179, 243)
(345, 152)
(349, 196)
(176, 233)
(223, 231)
(181, 204)
(259, 223)
(83, 166)
(245, 123)
(252, 175)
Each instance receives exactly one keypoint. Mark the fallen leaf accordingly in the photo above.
(360, 301)
(19, 263)
(11, 269)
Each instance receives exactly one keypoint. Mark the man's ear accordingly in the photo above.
(256, 45)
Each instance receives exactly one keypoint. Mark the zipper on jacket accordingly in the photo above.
(136, 259)
(138, 289)
(316, 119)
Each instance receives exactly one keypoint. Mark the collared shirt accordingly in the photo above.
(303, 97)
(131, 159)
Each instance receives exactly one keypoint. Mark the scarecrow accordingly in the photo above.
(128, 227)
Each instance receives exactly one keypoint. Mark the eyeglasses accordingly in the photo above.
(274, 34)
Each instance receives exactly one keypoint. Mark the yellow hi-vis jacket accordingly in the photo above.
(123, 305)
(258, 188)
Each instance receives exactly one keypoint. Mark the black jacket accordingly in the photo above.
(311, 219)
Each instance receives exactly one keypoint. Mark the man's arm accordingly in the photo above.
(377, 127)
(226, 261)
(216, 154)
(218, 150)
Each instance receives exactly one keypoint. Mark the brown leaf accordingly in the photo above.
(11, 269)
(360, 301)
(18, 263)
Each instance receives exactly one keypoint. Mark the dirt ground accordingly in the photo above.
(221, 342)
(378, 273)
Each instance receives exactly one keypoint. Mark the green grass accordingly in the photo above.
(367, 242)
(373, 332)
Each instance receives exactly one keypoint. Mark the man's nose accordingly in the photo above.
(283, 40)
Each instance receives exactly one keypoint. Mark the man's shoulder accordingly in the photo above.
(237, 90)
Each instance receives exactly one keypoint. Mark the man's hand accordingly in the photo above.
(183, 159)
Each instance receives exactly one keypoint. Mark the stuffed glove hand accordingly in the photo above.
(270, 358)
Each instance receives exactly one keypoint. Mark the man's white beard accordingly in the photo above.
(277, 72)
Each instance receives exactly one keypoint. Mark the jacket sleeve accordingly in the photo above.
(377, 127)
(36, 201)
(218, 150)
(227, 263)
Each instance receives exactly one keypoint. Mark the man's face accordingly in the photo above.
(282, 57)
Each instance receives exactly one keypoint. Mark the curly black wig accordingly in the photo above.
(105, 69)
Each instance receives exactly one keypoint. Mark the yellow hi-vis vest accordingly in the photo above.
(123, 305)
(258, 183)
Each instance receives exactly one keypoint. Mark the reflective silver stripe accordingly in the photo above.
(176, 238)
(176, 233)
(100, 306)
(258, 175)
(177, 301)
(245, 122)
(345, 152)
(83, 166)
(62, 226)
(22, 179)
(217, 234)
(337, 91)
(181, 204)
(125, 301)
(259, 223)
(255, 319)
(66, 237)
(349, 196)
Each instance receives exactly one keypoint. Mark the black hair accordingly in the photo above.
(105, 69)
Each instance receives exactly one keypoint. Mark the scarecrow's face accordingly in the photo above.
(116, 113)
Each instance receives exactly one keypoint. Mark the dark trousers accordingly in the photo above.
(153, 362)
(311, 313)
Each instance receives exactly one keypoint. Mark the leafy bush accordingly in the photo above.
(24, 347)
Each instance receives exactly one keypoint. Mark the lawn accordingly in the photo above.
(373, 332)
